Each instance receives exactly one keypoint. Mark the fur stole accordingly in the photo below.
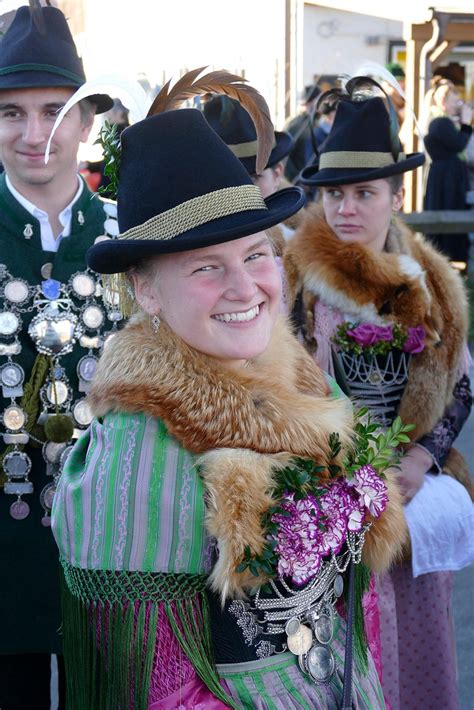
(244, 423)
(409, 283)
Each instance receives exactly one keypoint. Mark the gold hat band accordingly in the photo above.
(197, 211)
(246, 150)
(357, 159)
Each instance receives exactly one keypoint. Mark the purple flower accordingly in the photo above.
(342, 504)
(415, 341)
(367, 334)
(371, 489)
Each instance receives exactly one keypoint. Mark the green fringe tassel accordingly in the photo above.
(362, 580)
(30, 401)
(194, 638)
(109, 649)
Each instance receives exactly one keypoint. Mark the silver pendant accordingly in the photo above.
(16, 291)
(93, 317)
(82, 284)
(320, 663)
(12, 375)
(19, 510)
(82, 413)
(54, 334)
(10, 323)
(17, 464)
(14, 418)
(86, 367)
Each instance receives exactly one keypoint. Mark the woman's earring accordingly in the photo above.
(155, 323)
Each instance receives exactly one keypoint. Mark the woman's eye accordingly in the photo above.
(334, 193)
(365, 193)
(252, 257)
(203, 268)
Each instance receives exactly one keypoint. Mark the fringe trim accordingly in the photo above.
(109, 648)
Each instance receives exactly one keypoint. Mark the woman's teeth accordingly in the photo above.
(242, 316)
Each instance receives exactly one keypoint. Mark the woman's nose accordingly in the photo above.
(347, 205)
(241, 286)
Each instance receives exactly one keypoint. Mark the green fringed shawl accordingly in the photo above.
(110, 631)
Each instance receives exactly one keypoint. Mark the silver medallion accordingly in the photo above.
(292, 626)
(323, 629)
(17, 464)
(47, 496)
(320, 663)
(9, 323)
(300, 642)
(16, 291)
(110, 207)
(52, 451)
(12, 375)
(86, 367)
(82, 284)
(93, 317)
(82, 413)
(19, 510)
(14, 418)
(338, 585)
(54, 335)
(111, 226)
(47, 270)
(57, 392)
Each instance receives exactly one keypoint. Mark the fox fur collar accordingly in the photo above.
(244, 423)
(409, 283)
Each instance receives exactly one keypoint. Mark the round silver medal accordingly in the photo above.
(86, 367)
(82, 413)
(83, 284)
(16, 291)
(17, 464)
(323, 628)
(338, 585)
(12, 375)
(93, 317)
(52, 451)
(321, 664)
(57, 392)
(47, 496)
(9, 323)
(300, 642)
(292, 626)
(14, 418)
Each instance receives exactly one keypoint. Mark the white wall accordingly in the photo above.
(335, 41)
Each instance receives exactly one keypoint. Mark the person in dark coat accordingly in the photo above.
(301, 127)
(448, 177)
(48, 351)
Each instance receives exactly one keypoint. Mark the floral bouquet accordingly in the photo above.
(370, 339)
(317, 506)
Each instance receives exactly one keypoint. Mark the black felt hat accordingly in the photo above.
(180, 188)
(234, 125)
(360, 147)
(38, 51)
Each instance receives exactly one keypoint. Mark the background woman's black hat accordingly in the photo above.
(38, 50)
(234, 125)
(180, 188)
(362, 145)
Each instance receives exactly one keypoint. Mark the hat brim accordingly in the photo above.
(40, 80)
(284, 144)
(311, 175)
(115, 256)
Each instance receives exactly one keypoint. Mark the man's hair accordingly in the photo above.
(87, 109)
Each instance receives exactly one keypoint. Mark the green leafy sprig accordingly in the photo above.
(303, 476)
(109, 140)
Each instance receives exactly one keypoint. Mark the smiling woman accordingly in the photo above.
(200, 403)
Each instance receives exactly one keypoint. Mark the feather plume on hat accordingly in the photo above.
(221, 82)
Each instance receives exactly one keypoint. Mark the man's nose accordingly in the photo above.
(35, 132)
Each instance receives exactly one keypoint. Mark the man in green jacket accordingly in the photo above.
(53, 322)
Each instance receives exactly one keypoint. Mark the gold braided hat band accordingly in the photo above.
(357, 159)
(246, 150)
(197, 211)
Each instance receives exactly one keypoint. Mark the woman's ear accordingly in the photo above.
(398, 199)
(146, 293)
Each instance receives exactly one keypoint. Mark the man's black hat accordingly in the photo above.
(234, 125)
(180, 188)
(38, 50)
(361, 146)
